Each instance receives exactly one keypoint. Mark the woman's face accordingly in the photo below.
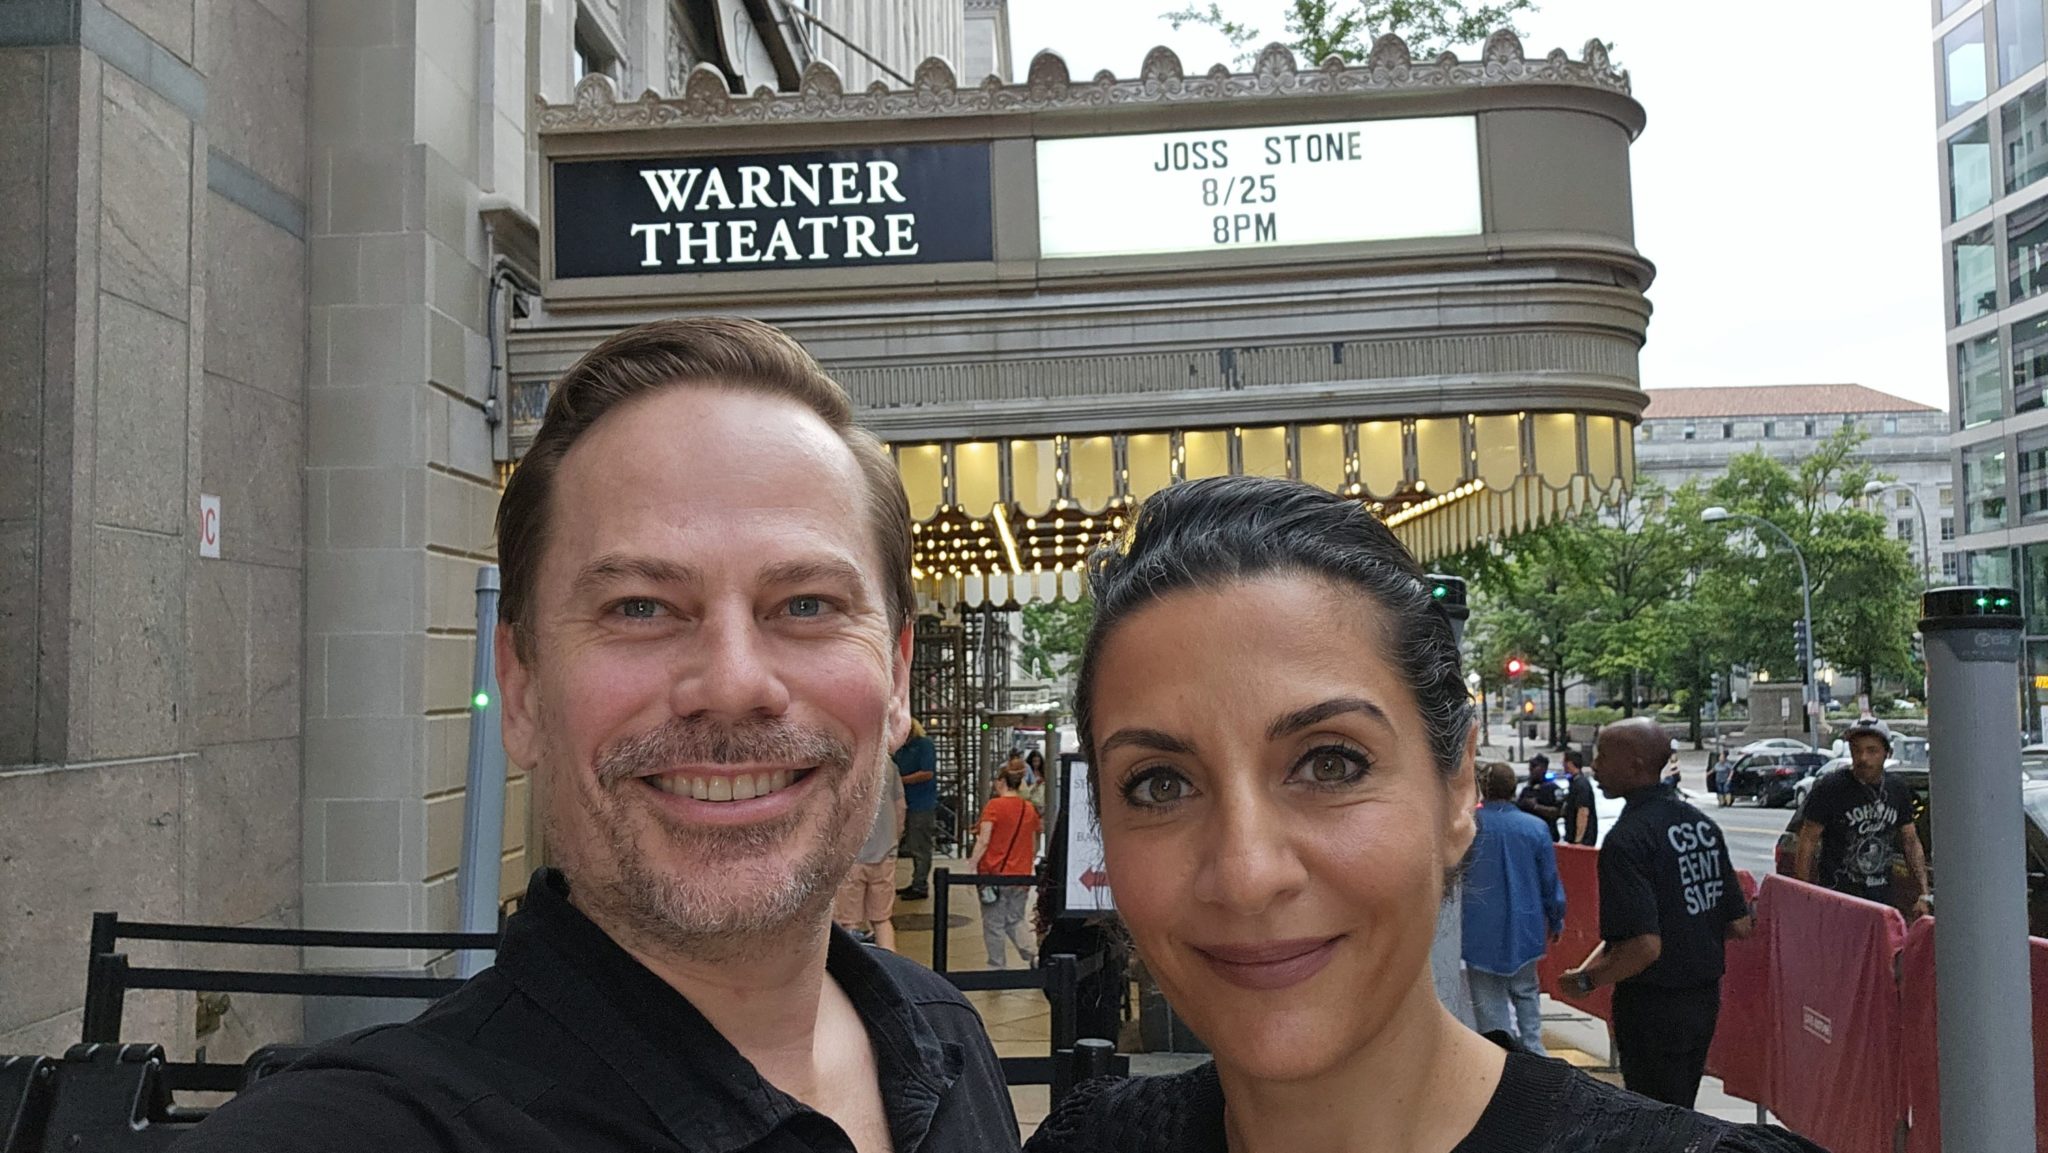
(1275, 828)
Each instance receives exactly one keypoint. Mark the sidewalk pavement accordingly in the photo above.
(1019, 1021)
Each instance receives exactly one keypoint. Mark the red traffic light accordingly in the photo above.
(1516, 667)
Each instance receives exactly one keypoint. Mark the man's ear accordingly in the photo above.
(899, 689)
(518, 700)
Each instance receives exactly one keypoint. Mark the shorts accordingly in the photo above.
(867, 895)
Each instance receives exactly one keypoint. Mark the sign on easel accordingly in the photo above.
(1087, 880)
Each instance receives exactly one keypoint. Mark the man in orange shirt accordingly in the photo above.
(1009, 841)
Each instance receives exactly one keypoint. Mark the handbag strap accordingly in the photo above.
(1013, 832)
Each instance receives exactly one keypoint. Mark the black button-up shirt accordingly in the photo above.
(568, 1043)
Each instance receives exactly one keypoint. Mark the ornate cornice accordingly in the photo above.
(1047, 87)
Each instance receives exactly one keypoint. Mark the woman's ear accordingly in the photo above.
(1462, 796)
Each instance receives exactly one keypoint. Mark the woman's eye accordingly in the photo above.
(638, 608)
(1333, 765)
(1155, 787)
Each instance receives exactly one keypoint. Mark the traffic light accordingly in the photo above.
(1516, 668)
(1528, 706)
(1802, 647)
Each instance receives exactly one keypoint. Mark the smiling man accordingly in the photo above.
(705, 661)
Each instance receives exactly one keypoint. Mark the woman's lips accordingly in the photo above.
(1270, 964)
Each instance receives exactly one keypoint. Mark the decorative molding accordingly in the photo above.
(1047, 87)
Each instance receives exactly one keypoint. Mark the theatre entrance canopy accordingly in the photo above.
(1409, 281)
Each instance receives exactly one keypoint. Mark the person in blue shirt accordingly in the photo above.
(1514, 907)
(918, 764)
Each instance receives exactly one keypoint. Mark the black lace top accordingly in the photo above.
(1541, 1106)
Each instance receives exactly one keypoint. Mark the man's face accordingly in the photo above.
(1867, 754)
(714, 682)
(1613, 771)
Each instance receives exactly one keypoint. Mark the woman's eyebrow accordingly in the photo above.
(1300, 719)
(1154, 739)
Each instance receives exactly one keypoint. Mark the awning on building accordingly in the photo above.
(1015, 519)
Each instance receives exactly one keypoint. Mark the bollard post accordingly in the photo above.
(1062, 989)
(1447, 951)
(1972, 639)
(942, 906)
(483, 805)
(1092, 1059)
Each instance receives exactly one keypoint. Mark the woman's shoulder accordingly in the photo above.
(1592, 1116)
(1178, 1112)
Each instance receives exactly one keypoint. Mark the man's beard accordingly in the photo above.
(744, 893)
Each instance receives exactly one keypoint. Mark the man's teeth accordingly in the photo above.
(726, 787)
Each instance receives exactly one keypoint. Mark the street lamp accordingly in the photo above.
(1716, 515)
(1926, 542)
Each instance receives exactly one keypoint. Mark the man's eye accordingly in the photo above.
(807, 606)
(638, 608)
(1152, 788)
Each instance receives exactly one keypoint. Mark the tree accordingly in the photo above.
(1319, 29)
(1049, 641)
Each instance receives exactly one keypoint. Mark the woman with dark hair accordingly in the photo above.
(1281, 744)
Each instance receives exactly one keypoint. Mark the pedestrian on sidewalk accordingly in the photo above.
(1581, 814)
(1008, 840)
(1853, 820)
(1540, 797)
(1514, 909)
(1668, 903)
(917, 766)
(866, 901)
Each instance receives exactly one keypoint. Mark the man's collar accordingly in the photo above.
(709, 1096)
(1650, 792)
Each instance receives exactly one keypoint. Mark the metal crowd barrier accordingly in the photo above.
(109, 977)
(1072, 1059)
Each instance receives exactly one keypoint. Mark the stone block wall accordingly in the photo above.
(153, 350)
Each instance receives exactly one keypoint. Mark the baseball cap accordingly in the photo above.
(1868, 727)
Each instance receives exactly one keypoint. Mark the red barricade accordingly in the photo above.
(1742, 1039)
(1920, 1079)
(1578, 866)
(1833, 1069)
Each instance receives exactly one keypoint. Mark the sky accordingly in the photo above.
(1789, 143)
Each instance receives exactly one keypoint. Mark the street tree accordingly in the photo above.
(1320, 29)
(1050, 636)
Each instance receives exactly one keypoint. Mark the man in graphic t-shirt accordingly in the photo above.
(1853, 821)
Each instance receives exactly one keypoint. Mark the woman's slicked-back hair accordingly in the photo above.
(1206, 533)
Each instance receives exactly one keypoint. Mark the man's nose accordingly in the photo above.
(730, 669)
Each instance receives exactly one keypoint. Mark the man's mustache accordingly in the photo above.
(697, 741)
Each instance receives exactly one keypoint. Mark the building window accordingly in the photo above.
(1770, 429)
(1969, 169)
(1904, 529)
(1948, 529)
(1891, 426)
(1951, 567)
(2029, 363)
(1689, 432)
(593, 55)
(1980, 378)
(1991, 568)
(2034, 558)
(2023, 129)
(1984, 488)
(2026, 250)
(1948, 7)
(1848, 421)
(1976, 270)
(2033, 466)
(1962, 65)
(1902, 499)
(1945, 496)
(1809, 427)
(2021, 40)
(1727, 430)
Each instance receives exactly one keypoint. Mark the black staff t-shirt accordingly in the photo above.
(1578, 798)
(1859, 828)
(1665, 869)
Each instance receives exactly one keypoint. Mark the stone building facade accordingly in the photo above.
(263, 251)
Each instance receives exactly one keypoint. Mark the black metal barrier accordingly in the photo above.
(109, 977)
(1072, 1059)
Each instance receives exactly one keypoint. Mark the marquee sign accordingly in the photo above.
(1299, 184)
(912, 204)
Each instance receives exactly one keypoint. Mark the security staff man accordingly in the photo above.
(1668, 901)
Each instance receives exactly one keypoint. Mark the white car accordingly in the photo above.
(1773, 745)
(1805, 784)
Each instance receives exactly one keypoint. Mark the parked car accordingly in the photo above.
(1770, 777)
